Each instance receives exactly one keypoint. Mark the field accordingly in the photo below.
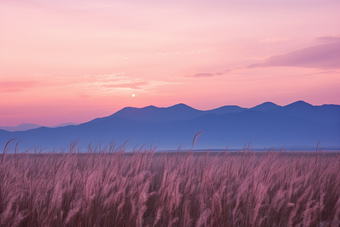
(110, 187)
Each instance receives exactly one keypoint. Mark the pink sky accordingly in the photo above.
(72, 61)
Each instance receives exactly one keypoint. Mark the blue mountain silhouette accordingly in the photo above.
(21, 127)
(25, 126)
(226, 109)
(172, 113)
(156, 114)
(295, 125)
(301, 109)
(265, 106)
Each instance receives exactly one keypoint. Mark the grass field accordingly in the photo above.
(111, 188)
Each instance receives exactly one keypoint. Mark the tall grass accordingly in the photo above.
(111, 188)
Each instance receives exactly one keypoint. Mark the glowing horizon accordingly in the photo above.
(72, 61)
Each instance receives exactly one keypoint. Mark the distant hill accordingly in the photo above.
(21, 127)
(172, 113)
(296, 125)
(265, 106)
(25, 127)
(64, 124)
(226, 109)
(301, 109)
(156, 114)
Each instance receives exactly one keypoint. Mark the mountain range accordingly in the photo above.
(298, 125)
(25, 126)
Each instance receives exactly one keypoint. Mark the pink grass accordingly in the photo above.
(114, 188)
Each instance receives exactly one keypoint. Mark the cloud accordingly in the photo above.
(164, 54)
(321, 73)
(132, 85)
(273, 40)
(137, 83)
(203, 75)
(325, 56)
(226, 71)
(16, 86)
(329, 39)
(115, 82)
(199, 75)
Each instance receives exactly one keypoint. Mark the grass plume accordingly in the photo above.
(109, 187)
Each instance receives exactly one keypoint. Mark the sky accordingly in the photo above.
(76, 60)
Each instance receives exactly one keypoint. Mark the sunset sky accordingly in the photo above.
(75, 60)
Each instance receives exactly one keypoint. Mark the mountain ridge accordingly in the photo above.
(130, 112)
(21, 127)
(175, 125)
(265, 106)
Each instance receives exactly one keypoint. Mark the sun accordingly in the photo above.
(133, 95)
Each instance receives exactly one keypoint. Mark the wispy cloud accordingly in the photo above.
(83, 84)
(16, 86)
(329, 39)
(273, 40)
(324, 56)
(213, 74)
(210, 49)
(198, 75)
(322, 73)
(205, 50)
(203, 75)
(131, 85)
(117, 82)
